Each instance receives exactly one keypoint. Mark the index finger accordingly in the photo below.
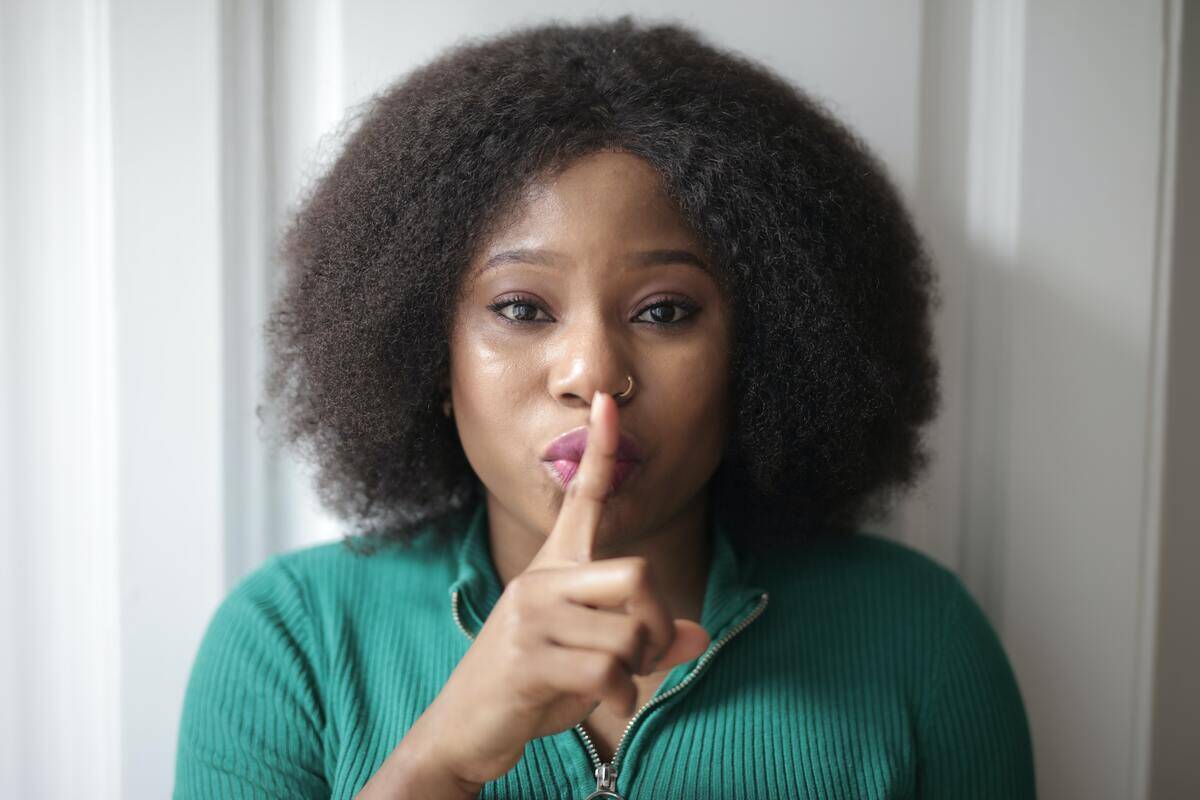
(574, 533)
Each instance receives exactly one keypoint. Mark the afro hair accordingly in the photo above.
(833, 372)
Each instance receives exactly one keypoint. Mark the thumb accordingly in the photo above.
(691, 640)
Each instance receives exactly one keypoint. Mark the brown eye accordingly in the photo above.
(524, 311)
(670, 313)
(663, 314)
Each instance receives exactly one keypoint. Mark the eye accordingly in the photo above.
(664, 313)
(524, 308)
(670, 313)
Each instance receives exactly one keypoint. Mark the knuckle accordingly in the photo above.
(516, 618)
(523, 589)
(603, 671)
(515, 655)
(592, 672)
(525, 635)
(523, 599)
(636, 635)
(632, 702)
(637, 571)
(517, 591)
(614, 671)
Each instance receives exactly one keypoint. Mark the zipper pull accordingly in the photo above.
(606, 784)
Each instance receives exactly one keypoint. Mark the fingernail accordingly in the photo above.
(595, 406)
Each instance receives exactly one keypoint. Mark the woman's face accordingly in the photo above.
(538, 331)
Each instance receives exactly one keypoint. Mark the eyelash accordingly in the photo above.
(686, 305)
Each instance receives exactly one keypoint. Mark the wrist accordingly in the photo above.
(418, 758)
(415, 771)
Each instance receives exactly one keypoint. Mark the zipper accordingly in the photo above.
(606, 773)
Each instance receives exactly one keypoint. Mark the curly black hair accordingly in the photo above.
(831, 290)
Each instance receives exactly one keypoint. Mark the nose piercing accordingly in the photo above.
(628, 391)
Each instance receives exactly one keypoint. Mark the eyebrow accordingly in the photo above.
(548, 258)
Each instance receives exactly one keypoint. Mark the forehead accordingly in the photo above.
(603, 201)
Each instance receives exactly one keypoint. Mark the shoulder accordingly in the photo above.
(884, 612)
(356, 571)
(838, 593)
(355, 553)
(296, 599)
(279, 615)
(864, 565)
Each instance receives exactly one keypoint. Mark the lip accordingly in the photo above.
(563, 470)
(569, 446)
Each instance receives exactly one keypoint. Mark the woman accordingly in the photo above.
(608, 342)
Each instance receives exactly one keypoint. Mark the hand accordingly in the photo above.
(567, 634)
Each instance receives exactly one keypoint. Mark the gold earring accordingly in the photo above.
(628, 391)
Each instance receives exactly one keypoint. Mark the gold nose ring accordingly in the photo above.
(627, 391)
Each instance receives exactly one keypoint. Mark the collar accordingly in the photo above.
(730, 593)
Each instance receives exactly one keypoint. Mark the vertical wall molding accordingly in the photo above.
(60, 631)
(1079, 344)
(281, 100)
(930, 519)
(1165, 764)
(103, 533)
(967, 203)
(306, 106)
(247, 198)
(1156, 421)
(1054, 264)
(166, 229)
(993, 171)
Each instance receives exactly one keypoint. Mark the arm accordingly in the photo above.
(252, 717)
(973, 735)
(412, 772)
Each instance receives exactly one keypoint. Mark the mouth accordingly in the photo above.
(563, 470)
(569, 446)
(562, 457)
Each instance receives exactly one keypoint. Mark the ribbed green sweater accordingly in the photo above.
(852, 668)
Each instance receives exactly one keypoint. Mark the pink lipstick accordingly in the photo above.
(563, 470)
(571, 444)
(563, 455)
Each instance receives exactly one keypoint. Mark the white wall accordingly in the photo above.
(149, 151)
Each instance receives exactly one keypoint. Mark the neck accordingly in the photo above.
(677, 550)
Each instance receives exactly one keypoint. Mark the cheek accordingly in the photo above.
(487, 385)
(692, 409)
(692, 382)
(485, 368)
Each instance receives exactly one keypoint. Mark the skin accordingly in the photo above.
(515, 388)
(602, 590)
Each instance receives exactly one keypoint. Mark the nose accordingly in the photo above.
(591, 358)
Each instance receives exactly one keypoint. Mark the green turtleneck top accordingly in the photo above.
(852, 667)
